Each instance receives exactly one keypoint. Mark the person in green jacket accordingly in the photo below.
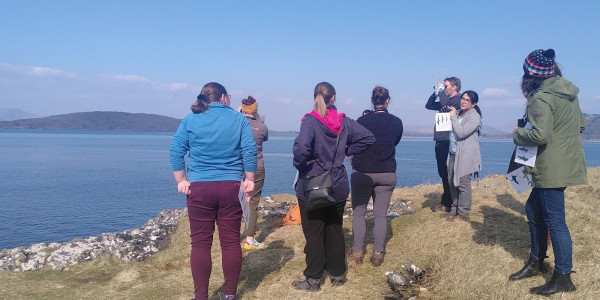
(556, 125)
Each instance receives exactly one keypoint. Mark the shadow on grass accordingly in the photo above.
(508, 201)
(504, 229)
(259, 264)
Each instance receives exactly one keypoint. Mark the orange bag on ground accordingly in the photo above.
(293, 216)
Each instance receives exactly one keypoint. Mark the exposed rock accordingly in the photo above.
(134, 244)
(131, 245)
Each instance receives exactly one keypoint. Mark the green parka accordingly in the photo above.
(557, 122)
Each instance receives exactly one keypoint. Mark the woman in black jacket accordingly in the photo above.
(313, 155)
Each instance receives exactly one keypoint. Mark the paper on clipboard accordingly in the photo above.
(442, 122)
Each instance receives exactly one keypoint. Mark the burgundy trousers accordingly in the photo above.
(211, 202)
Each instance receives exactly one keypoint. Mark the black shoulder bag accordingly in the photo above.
(318, 190)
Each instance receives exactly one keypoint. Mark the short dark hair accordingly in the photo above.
(455, 82)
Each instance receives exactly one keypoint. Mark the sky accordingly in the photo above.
(59, 57)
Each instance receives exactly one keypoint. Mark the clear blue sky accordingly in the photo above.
(61, 57)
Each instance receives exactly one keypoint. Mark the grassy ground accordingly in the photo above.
(461, 260)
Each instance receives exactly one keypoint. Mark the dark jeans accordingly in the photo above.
(441, 155)
(209, 202)
(325, 248)
(380, 186)
(545, 210)
(259, 180)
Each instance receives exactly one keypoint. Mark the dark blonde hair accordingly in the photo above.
(211, 92)
(324, 92)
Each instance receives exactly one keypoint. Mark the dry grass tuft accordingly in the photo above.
(461, 260)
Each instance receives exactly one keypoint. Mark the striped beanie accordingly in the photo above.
(540, 63)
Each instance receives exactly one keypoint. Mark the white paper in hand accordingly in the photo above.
(245, 205)
(526, 155)
(520, 180)
(442, 122)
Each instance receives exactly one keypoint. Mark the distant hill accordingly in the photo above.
(592, 127)
(99, 120)
(9, 114)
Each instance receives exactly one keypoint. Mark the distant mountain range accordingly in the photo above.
(122, 121)
(9, 114)
(99, 120)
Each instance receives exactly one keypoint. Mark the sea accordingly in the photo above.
(56, 186)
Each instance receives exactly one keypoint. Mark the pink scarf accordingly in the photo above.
(333, 119)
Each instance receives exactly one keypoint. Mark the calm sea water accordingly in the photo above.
(59, 185)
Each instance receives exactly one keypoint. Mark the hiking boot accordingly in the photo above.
(308, 284)
(337, 280)
(558, 283)
(440, 207)
(532, 267)
(377, 258)
(356, 256)
(254, 245)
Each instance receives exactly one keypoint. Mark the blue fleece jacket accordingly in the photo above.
(220, 144)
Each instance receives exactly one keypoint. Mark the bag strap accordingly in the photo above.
(337, 142)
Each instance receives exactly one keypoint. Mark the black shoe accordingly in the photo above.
(308, 284)
(558, 283)
(337, 280)
(532, 267)
(440, 207)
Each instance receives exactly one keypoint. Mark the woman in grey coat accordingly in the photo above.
(464, 157)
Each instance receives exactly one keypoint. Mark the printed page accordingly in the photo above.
(520, 180)
(442, 122)
(526, 155)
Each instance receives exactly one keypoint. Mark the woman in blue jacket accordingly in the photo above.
(313, 155)
(222, 151)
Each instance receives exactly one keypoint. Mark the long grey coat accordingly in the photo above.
(468, 154)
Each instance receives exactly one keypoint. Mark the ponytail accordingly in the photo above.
(211, 92)
(320, 106)
(324, 92)
(478, 110)
(200, 106)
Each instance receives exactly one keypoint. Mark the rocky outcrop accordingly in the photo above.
(138, 244)
(131, 245)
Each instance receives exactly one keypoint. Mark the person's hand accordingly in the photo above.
(438, 88)
(452, 110)
(184, 187)
(248, 188)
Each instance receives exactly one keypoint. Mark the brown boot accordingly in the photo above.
(377, 258)
(356, 256)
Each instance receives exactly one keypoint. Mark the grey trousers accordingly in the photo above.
(364, 186)
(259, 180)
(461, 194)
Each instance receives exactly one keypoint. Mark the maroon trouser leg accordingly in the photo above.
(209, 202)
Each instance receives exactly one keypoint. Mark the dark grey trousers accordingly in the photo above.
(364, 186)
(461, 194)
